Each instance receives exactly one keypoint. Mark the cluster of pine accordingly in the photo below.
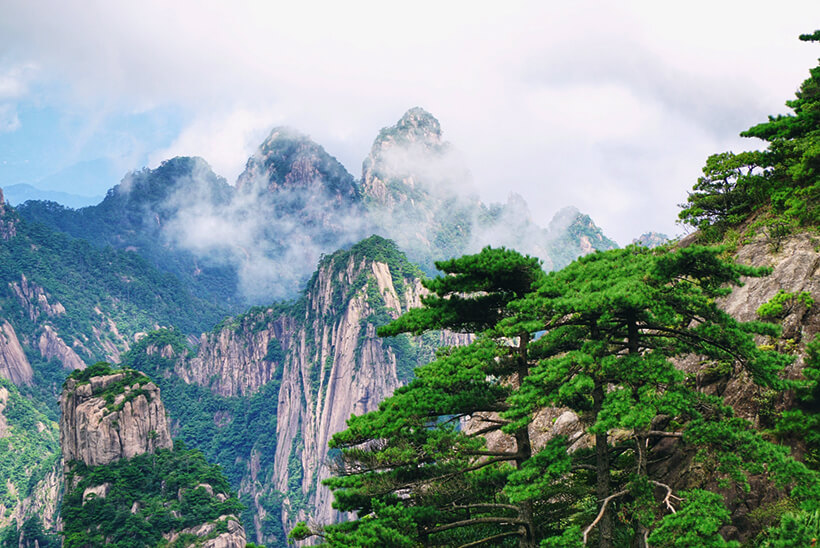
(456, 458)
(782, 180)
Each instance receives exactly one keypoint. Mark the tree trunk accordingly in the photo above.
(641, 532)
(602, 471)
(524, 449)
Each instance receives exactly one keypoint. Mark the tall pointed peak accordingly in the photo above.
(415, 127)
(290, 158)
(416, 119)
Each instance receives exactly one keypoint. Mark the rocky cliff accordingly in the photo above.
(118, 455)
(111, 417)
(14, 365)
(322, 355)
(795, 264)
(29, 462)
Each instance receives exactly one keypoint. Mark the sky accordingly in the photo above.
(612, 107)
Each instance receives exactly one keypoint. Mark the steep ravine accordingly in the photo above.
(324, 352)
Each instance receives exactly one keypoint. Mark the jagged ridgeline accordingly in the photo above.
(264, 391)
(177, 247)
(135, 216)
(260, 240)
(126, 483)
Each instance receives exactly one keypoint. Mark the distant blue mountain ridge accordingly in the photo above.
(17, 194)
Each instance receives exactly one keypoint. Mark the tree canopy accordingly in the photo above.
(450, 459)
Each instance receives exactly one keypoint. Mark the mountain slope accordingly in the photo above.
(301, 368)
(139, 215)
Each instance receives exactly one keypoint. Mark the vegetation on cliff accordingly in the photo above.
(651, 458)
(778, 186)
(609, 325)
(29, 450)
(144, 498)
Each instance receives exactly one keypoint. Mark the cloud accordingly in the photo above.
(222, 138)
(564, 104)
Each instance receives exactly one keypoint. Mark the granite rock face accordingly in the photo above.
(329, 362)
(119, 416)
(14, 365)
(97, 432)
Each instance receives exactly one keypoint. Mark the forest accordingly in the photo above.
(454, 458)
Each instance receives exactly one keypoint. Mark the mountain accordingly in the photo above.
(279, 381)
(260, 240)
(65, 303)
(651, 239)
(420, 194)
(142, 215)
(143, 278)
(17, 194)
(126, 483)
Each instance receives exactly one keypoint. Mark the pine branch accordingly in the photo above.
(601, 512)
(476, 521)
(492, 538)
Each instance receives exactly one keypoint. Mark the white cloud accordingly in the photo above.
(224, 139)
(610, 107)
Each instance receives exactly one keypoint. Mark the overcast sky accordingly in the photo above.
(609, 106)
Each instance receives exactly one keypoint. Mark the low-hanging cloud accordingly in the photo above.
(272, 240)
(496, 76)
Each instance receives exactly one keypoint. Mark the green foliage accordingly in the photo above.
(274, 352)
(30, 448)
(93, 285)
(611, 323)
(248, 423)
(30, 535)
(413, 441)
(802, 421)
(783, 303)
(164, 488)
(695, 525)
(795, 529)
(132, 216)
(726, 192)
(473, 295)
(784, 178)
(228, 430)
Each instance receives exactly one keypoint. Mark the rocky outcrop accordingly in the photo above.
(651, 239)
(118, 415)
(34, 300)
(795, 269)
(103, 421)
(52, 346)
(234, 537)
(14, 365)
(44, 500)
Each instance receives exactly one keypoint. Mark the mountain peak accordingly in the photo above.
(284, 134)
(415, 127)
(289, 158)
(417, 118)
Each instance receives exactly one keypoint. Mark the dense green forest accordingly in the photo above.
(148, 495)
(604, 338)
